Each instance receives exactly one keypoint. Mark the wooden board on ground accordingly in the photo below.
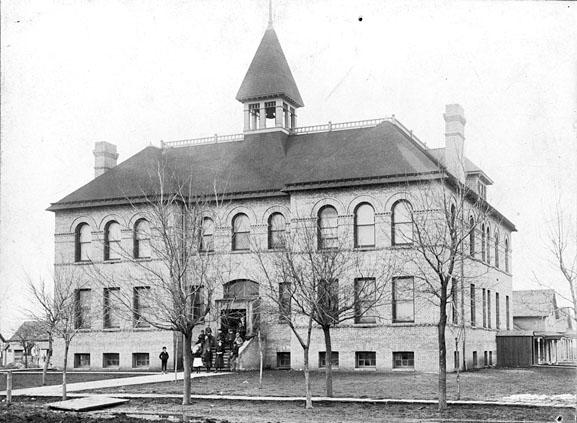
(86, 403)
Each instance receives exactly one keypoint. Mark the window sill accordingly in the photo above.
(142, 259)
(366, 369)
(84, 330)
(111, 329)
(239, 251)
(366, 248)
(366, 324)
(83, 262)
(403, 369)
(407, 322)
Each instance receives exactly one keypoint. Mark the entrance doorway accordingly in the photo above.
(234, 319)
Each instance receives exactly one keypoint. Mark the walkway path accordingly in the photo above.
(56, 390)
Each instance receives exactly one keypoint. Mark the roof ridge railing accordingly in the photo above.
(327, 127)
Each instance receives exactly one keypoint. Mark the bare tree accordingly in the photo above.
(58, 314)
(562, 244)
(441, 223)
(326, 282)
(25, 336)
(171, 262)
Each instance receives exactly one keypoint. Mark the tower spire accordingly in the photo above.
(269, 14)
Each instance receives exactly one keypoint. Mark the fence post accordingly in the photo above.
(9, 386)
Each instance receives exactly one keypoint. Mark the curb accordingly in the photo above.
(314, 399)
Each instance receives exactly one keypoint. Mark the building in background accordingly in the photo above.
(28, 346)
(275, 174)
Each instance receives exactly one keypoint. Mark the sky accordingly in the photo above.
(134, 73)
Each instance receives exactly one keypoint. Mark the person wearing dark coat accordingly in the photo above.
(163, 359)
(219, 362)
(229, 339)
(207, 349)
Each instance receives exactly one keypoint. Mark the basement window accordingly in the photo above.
(404, 360)
(283, 360)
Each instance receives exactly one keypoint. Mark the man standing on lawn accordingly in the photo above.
(163, 359)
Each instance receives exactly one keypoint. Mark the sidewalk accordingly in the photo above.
(56, 390)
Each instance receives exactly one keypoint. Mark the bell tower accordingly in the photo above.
(268, 92)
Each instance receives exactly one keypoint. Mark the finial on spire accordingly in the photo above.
(270, 14)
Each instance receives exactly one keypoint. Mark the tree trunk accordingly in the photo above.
(47, 360)
(187, 359)
(309, 400)
(261, 358)
(328, 361)
(64, 368)
(442, 357)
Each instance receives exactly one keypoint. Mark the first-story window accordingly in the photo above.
(141, 306)
(404, 360)
(83, 309)
(403, 299)
(365, 299)
(111, 310)
(284, 301)
(364, 359)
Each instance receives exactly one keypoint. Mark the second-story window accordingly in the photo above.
(488, 246)
(402, 223)
(207, 235)
(240, 232)
(112, 241)
(83, 239)
(328, 228)
(497, 250)
(483, 244)
(364, 226)
(506, 255)
(472, 236)
(141, 239)
(276, 231)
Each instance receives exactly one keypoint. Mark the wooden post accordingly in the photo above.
(9, 386)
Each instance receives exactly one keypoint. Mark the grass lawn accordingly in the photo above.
(34, 379)
(28, 410)
(475, 385)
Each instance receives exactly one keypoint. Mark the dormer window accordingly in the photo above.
(293, 118)
(286, 115)
(482, 190)
(254, 111)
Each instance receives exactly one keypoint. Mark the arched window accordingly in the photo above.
(488, 247)
(276, 231)
(472, 236)
(483, 245)
(207, 235)
(402, 223)
(506, 255)
(112, 241)
(240, 232)
(83, 238)
(496, 249)
(240, 289)
(141, 239)
(364, 226)
(328, 227)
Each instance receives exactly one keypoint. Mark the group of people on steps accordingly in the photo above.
(202, 349)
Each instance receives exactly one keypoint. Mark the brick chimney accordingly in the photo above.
(455, 140)
(105, 157)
